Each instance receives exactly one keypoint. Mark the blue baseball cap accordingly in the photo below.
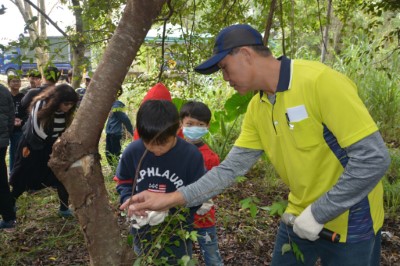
(227, 39)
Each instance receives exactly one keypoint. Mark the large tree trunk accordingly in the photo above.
(75, 157)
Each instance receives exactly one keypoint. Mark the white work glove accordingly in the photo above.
(152, 218)
(306, 227)
(157, 217)
(205, 207)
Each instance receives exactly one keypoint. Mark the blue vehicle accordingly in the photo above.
(21, 60)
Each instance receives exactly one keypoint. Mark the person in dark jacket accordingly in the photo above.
(35, 81)
(14, 84)
(50, 114)
(114, 130)
(50, 77)
(6, 127)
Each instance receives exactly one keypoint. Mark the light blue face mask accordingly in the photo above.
(194, 133)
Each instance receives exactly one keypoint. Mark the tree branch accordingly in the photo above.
(47, 18)
(268, 25)
(166, 19)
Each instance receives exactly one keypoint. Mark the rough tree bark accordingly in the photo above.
(75, 157)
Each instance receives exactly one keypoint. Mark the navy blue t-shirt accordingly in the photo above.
(180, 166)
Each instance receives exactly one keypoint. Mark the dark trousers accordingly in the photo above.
(113, 148)
(6, 201)
(31, 172)
(14, 140)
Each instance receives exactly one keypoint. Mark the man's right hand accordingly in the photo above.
(151, 201)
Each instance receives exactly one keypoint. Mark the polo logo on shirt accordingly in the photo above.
(159, 188)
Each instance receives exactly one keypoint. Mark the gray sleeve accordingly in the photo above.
(236, 163)
(368, 161)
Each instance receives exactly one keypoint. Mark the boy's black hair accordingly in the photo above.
(34, 73)
(196, 110)
(157, 121)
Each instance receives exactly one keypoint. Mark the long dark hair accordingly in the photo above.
(53, 96)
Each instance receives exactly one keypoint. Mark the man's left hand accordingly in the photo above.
(306, 227)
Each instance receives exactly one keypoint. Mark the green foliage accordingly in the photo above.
(172, 232)
(392, 198)
(43, 231)
(225, 122)
(251, 204)
(377, 87)
(391, 185)
(297, 252)
(277, 208)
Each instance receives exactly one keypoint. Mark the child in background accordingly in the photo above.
(161, 162)
(81, 91)
(157, 92)
(195, 118)
(114, 130)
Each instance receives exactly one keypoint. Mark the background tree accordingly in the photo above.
(36, 28)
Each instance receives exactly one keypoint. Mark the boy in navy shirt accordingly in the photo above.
(159, 162)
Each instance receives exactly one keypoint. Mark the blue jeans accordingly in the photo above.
(14, 140)
(364, 253)
(208, 241)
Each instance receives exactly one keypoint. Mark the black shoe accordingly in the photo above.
(8, 226)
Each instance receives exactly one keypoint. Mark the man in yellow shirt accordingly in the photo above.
(312, 125)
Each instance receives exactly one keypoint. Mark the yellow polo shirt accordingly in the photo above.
(310, 96)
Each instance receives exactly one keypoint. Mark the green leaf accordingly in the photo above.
(245, 203)
(184, 260)
(222, 126)
(286, 248)
(129, 239)
(193, 235)
(138, 262)
(240, 179)
(277, 208)
(237, 105)
(178, 102)
(253, 211)
(297, 252)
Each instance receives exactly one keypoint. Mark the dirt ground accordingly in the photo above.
(42, 238)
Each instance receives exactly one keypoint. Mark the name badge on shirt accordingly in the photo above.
(297, 113)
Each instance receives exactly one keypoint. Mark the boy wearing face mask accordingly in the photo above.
(195, 118)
